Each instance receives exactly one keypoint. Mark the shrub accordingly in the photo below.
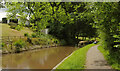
(29, 40)
(2, 44)
(26, 34)
(18, 27)
(112, 58)
(19, 44)
(33, 35)
(36, 41)
(40, 41)
(27, 45)
(56, 41)
(12, 25)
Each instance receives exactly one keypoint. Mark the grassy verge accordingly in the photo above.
(76, 60)
(7, 31)
(113, 59)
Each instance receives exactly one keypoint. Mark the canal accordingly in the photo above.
(45, 58)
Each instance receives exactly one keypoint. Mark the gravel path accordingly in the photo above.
(95, 59)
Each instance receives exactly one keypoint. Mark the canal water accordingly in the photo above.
(46, 58)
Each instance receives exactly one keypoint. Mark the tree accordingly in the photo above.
(105, 15)
(63, 18)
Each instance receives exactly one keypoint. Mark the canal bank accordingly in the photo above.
(34, 47)
(76, 60)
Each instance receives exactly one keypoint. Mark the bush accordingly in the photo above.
(2, 44)
(112, 58)
(26, 34)
(18, 27)
(29, 40)
(37, 41)
(34, 35)
(56, 41)
(19, 44)
(12, 25)
(43, 39)
(40, 41)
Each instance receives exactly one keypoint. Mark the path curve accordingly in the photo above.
(95, 59)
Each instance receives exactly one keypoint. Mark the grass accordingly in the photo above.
(7, 31)
(76, 60)
(113, 59)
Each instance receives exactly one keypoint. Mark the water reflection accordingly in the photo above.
(36, 59)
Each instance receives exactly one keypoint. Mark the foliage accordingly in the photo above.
(19, 45)
(2, 44)
(42, 14)
(33, 35)
(106, 18)
(44, 39)
(36, 12)
(15, 26)
(68, 20)
(26, 34)
(68, 32)
(18, 27)
(29, 40)
(12, 25)
(113, 59)
(76, 60)
(36, 41)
